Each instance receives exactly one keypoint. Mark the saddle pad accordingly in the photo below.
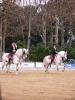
(50, 57)
(8, 56)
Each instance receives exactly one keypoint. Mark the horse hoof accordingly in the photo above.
(16, 73)
(6, 71)
(57, 70)
(47, 72)
(62, 70)
(34, 68)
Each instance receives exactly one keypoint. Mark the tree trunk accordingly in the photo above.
(4, 28)
(56, 30)
(0, 40)
(51, 37)
(62, 33)
(29, 34)
(23, 34)
(70, 36)
(44, 30)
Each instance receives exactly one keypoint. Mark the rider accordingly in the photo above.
(13, 48)
(54, 51)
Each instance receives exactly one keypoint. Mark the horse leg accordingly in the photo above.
(17, 69)
(63, 67)
(46, 67)
(20, 67)
(50, 64)
(8, 68)
(57, 68)
(3, 67)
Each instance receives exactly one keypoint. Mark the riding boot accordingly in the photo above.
(9, 60)
(52, 60)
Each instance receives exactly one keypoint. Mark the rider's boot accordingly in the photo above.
(52, 60)
(9, 60)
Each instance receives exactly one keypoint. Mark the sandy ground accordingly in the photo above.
(38, 85)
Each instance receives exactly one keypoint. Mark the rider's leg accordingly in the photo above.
(10, 57)
(10, 54)
(52, 58)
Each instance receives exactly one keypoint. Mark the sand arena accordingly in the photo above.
(38, 85)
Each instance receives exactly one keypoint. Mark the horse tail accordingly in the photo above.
(2, 53)
(44, 65)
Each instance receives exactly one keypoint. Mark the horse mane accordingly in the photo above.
(62, 51)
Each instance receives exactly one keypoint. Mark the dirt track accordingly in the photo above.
(38, 85)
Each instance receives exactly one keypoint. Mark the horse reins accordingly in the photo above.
(60, 56)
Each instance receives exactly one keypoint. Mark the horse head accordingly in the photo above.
(63, 54)
(25, 53)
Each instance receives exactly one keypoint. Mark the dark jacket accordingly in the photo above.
(54, 51)
(11, 48)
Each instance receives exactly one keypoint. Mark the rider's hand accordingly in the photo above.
(13, 50)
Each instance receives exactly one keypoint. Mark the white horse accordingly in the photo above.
(58, 60)
(19, 56)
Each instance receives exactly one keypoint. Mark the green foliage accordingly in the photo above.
(20, 44)
(38, 52)
(70, 50)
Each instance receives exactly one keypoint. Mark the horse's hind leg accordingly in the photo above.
(46, 68)
(8, 68)
(3, 67)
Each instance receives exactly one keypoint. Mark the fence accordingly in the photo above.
(39, 65)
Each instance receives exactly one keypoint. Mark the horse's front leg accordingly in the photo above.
(17, 69)
(20, 65)
(57, 68)
(63, 67)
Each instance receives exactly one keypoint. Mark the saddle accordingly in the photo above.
(51, 58)
(9, 56)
